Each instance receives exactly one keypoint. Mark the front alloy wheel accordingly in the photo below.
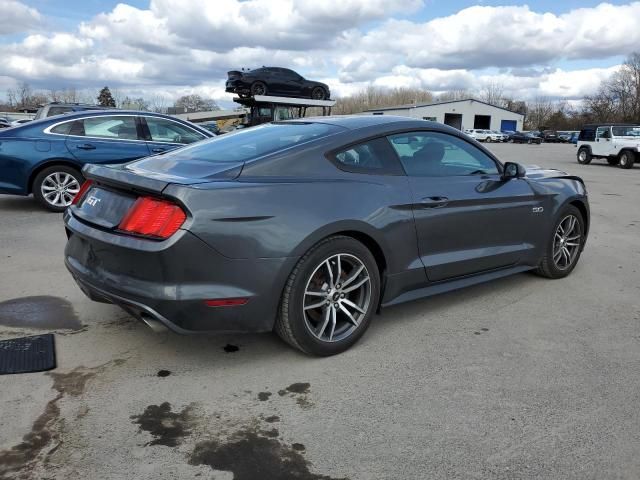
(566, 242)
(330, 297)
(626, 159)
(565, 246)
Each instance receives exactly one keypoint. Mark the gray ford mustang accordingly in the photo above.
(309, 227)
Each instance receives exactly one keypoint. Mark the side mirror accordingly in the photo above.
(513, 170)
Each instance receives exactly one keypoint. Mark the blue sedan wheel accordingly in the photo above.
(55, 187)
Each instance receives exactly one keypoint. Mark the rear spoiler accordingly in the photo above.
(117, 176)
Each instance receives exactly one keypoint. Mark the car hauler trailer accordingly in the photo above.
(267, 108)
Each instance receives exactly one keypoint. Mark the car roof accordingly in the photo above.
(353, 122)
(99, 113)
(609, 124)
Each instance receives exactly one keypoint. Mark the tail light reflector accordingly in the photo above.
(152, 217)
(226, 302)
(83, 189)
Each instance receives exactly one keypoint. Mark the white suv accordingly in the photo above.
(618, 143)
(483, 135)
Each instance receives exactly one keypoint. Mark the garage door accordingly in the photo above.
(510, 125)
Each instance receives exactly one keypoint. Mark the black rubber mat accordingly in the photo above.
(27, 354)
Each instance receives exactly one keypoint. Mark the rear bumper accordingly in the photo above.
(169, 281)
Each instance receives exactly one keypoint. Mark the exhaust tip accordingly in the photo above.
(153, 324)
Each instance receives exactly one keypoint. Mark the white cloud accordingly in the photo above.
(16, 17)
(480, 37)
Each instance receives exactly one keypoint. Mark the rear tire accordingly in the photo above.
(488, 140)
(626, 159)
(258, 88)
(584, 156)
(306, 319)
(54, 187)
(565, 244)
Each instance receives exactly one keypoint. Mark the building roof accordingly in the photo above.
(416, 105)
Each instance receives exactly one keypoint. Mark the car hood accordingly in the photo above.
(535, 172)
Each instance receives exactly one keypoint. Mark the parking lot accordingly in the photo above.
(520, 378)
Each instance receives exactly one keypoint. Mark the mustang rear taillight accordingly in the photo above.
(83, 189)
(151, 217)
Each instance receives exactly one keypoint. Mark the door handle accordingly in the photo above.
(434, 202)
(86, 146)
(158, 150)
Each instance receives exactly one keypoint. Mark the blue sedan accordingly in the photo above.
(45, 157)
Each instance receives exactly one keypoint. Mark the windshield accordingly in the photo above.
(629, 131)
(253, 142)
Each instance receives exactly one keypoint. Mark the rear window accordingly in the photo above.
(255, 142)
(587, 135)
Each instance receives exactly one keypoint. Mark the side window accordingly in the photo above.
(163, 130)
(373, 157)
(434, 154)
(62, 129)
(603, 132)
(123, 128)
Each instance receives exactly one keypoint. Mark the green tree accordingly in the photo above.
(105, 98)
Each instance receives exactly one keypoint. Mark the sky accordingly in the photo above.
(169, 48)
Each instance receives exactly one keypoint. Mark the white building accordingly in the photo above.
(461, 114)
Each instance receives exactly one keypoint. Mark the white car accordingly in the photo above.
(15, 123)
(483, 135)
(501, 136)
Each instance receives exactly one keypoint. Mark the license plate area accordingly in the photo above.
(104, 207)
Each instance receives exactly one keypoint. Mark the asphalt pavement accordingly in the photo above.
(520, 378)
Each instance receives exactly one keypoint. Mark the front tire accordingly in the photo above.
(584, 156)
(330, 297)
(54, 187)
(565, 245)
(318, 93)
(626, 159)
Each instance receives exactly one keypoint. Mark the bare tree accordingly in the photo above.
(452, 95)
(158, 104)
(378, 97)
(196, 103)
(493, 93)
(618, 98)
(539, 112)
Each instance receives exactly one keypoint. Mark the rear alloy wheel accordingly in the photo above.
(488, 140)
(330, 297)
(258, 88)
(584, 156)
(54, 187)
(626, 159)
(565, 246)
(318, 93)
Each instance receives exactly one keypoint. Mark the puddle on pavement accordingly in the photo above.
(42, 312)
(250, 454)
(167, 428)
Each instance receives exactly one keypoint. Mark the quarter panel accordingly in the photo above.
(20, 156)
(284, 218)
